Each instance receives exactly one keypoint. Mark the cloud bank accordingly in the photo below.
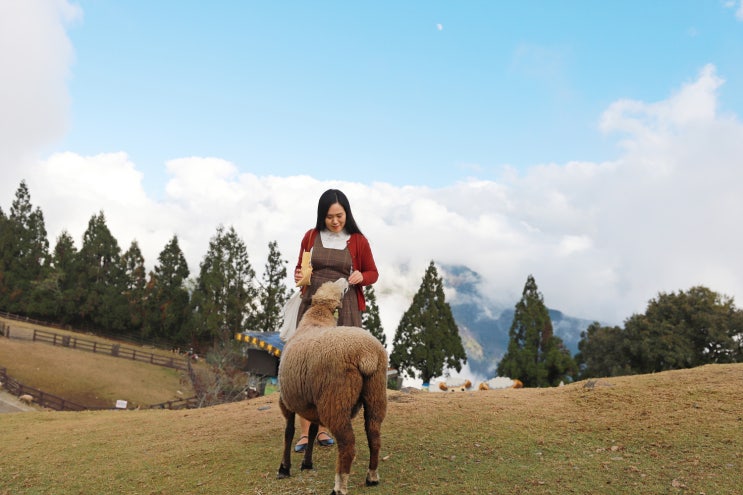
(601, 239)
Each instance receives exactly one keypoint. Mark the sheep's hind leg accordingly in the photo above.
(307, 460)
(346, 442)
(286, 464)
(373, 427)
(341, 485)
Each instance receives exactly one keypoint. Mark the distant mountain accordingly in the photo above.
(484, 327)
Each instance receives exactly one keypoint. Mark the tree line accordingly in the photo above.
(103, 289)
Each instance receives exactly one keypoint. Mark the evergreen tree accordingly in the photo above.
(24, 257)
(100, 280)
(370, 318)
(273, 293)
(135, 280)
(225, 295)
(168, 310)
(427, 339)
(7, 255)
(64, 261)
(535, 356)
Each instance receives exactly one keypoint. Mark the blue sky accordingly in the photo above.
(409, 93)
(597, 146)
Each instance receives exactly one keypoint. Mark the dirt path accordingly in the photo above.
(9, 403)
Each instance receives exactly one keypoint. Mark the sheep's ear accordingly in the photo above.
(343, 284)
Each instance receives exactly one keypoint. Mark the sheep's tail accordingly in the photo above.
(369, 364)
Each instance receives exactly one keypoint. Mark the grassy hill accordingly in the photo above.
(92, 380)
(678, 432)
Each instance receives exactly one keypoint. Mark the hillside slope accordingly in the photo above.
(672, 432)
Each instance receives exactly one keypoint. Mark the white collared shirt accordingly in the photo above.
(334, 240)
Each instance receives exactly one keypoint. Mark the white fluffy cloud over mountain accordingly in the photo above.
(600, 238)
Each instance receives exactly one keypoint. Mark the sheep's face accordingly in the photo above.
(331, 294)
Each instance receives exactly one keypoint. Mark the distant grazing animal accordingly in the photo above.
(326, 374)
(28, 399)
(500, 382)
(460, 386)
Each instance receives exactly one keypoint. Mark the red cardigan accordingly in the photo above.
(361, 257)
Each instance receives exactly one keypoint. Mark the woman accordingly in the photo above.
(339, 250)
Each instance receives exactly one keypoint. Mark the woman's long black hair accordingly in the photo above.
(328, 199)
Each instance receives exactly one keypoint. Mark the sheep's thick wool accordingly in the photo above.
(326, 375)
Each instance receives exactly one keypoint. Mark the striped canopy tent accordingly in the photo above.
(263, 352)
(267, 341)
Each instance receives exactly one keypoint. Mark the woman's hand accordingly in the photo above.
(355, 278)
(297, 275)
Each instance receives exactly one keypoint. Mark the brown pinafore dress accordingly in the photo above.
(328, 265)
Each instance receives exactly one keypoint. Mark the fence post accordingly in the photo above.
(34, 339)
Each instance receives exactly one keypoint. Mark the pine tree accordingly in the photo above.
(7, 257)
(64, 260)
(273, 292)
(535, 356)
(135, 280)
(24, 256)
(225, 296)
(100, 280)
(370, 318)
(427, 339)
(168, 311)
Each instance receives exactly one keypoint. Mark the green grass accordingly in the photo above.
(677, 432)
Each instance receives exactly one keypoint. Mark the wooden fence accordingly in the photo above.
(41, 398)
(116, 350)
(26, 319)
(50, 401)
(129, 339)
(190, 403)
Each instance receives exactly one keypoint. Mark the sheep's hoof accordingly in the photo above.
(371, 483)
(283, 473)
(306, 466)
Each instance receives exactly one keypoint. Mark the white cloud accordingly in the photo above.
(35, 56)
(738, 6)
(600, 238)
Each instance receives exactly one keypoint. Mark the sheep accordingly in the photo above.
(501, 382)
(326, 374)
(455, 385)
(28, 399)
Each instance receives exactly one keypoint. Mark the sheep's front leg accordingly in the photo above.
(286, 463)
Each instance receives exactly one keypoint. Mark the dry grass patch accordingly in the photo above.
(92, 380)
(678, 432)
